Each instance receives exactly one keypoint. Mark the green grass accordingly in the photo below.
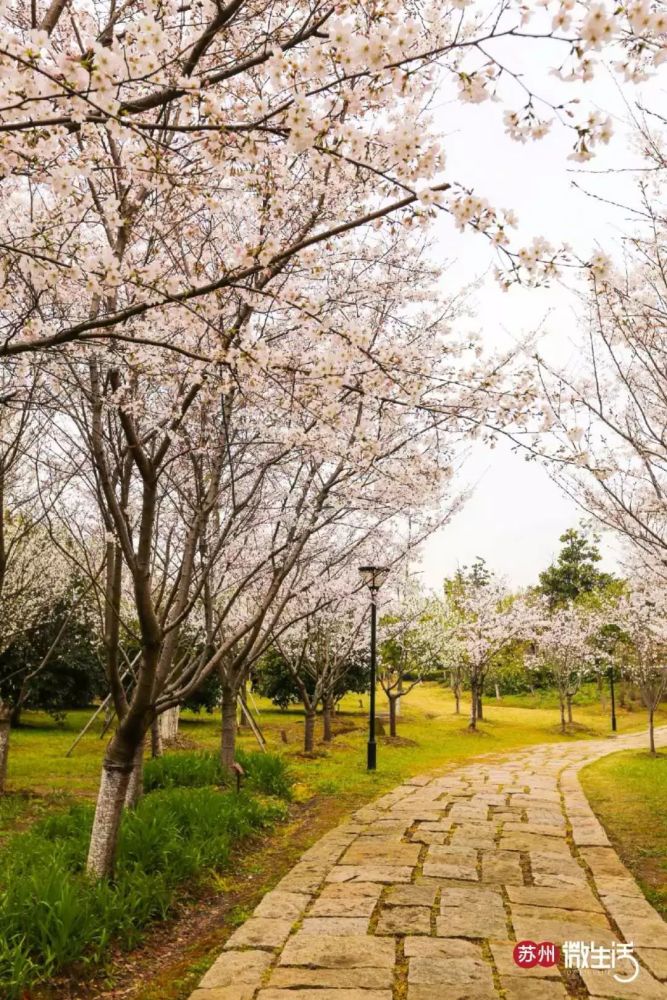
(437, 736)
(628, 791)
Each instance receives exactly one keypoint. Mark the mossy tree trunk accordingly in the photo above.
(309, 730)
(393, 700)
(117, 768)
(229, 723)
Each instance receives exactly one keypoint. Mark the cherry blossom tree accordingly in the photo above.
(602, 432)
(486, 618)
(212, 496)
(318, 653)
(642, 652)
(155, 161)
(562, 645)
(33, 575)
(411, 646)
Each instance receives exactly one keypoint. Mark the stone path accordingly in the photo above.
(423, 894)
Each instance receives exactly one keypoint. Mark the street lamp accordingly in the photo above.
(613, 698)
(373, 577)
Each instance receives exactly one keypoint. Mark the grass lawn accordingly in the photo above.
(628, 791)
(431, 737)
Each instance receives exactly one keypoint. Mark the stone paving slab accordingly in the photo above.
(345, 952)
(564, 899)
(225, 993)
(235, 968)
(325, 994)
(373, 979)
(655, 959)
(424, 893)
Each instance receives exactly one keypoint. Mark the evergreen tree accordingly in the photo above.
(575, 571)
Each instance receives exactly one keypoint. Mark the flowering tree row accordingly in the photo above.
(570, 642)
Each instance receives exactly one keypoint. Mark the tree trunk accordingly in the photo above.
(309, 731)
(651, 732)
(457, 699)
(480, 713)
(497, 692)
(569, 707)
(327, 711)
(135, 785)
(392, 715)
(156, 738)
(169, 724)
(228, 740)
(472, 725)
(5, 720)
(20, 700)
(108, 813)
(562, 713)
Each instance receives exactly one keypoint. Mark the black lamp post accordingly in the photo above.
(373, 577)
(613, 699)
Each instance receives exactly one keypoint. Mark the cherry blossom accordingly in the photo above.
(156, 161)
(485, 618)
(641, 617)
(562, 645)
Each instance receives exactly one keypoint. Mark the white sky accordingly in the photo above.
(516, 513)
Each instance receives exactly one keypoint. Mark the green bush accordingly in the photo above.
(52, 915)
(264, 772)
(183, 770)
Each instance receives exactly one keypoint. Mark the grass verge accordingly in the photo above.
(628, 792)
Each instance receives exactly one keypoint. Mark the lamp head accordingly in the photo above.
(374, 576)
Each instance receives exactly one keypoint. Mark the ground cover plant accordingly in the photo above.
(628, 791)
(52, 915)
(266, 773)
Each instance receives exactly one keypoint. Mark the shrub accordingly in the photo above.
(265, 772)
(183, 770)
(52, 915)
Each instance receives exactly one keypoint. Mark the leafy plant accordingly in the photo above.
(52, 915)
(264, 772)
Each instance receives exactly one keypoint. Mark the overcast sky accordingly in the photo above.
(516, 513)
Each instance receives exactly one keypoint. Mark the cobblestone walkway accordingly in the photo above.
(424, 893)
